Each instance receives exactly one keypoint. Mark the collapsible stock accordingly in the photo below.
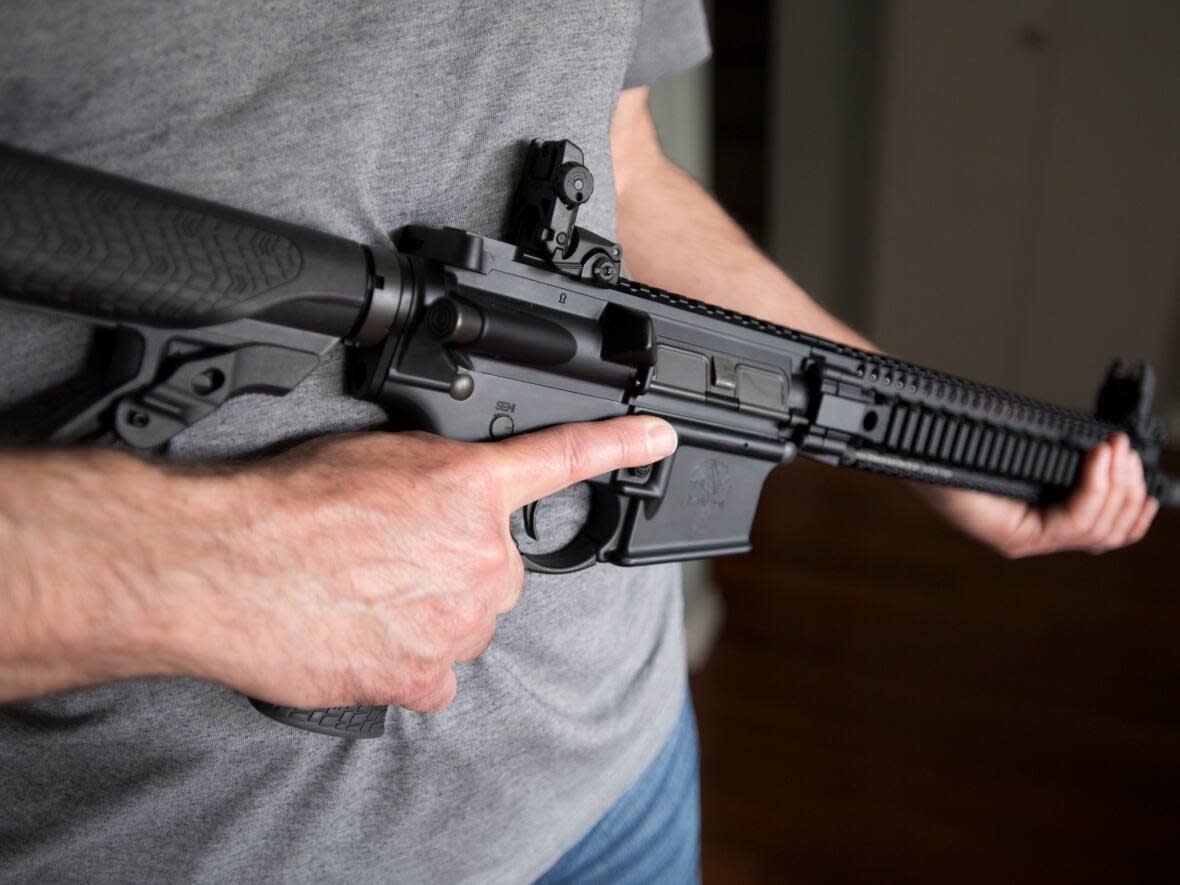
(110, 248)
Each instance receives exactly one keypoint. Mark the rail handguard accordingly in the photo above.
(474, 339)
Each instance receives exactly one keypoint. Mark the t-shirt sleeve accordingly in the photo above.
(673, 37)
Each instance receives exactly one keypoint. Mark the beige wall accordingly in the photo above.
(988, 187)
(1028, 201)
(823, 60)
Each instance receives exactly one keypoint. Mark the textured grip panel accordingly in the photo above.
(87, 242)
(127, 253)
(347, 722)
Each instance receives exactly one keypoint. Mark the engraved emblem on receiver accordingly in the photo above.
(709, 488)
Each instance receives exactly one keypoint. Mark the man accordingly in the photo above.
(366, 567)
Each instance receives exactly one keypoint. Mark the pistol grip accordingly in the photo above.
(359, 721)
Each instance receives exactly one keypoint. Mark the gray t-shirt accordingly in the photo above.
(354, 118)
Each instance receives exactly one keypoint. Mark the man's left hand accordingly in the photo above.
(1108, 509)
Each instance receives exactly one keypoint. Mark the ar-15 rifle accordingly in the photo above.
(478, 339)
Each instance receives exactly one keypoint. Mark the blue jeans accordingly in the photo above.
(652, 835)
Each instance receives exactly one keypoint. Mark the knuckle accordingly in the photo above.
(496, 560)
(575, 452)
(416, 674)
(1107, 540)
(510, 577)
(476, 472)
(478, 642)
(444, 699)
(484, 622)
(1080, 527)
(1141, 489)
(513, 588)
(1008, 551)
(487, 629)
(515, 562)
(627, 444)
(1096, 537)
(1130, 516)
(461, 618)
(1034, 545)
(1030, 551)
(467, 617)
(484, 610)
(445, 692)
(1129, 482)
(422, 681)
(458, 466)
(441, 685)
(474, 644)
(1132, 504)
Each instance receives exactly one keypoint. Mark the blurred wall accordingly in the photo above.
(989, 188)
(1028, 198)
(821, 136)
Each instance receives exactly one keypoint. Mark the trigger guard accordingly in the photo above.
(578, 554)
(592, 543)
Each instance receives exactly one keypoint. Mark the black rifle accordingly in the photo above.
(476, 339)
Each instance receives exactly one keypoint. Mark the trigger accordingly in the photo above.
(529, 512)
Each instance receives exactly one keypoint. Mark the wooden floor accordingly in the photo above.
(889, 702)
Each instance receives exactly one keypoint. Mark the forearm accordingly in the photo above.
(675, 236)
(77, 540)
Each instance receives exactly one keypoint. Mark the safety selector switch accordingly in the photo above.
(502, 426)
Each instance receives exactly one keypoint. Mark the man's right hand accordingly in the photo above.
(352, 569)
